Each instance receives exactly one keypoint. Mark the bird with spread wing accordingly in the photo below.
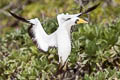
(60, 38)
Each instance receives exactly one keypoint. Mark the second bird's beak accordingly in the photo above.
(79, 21)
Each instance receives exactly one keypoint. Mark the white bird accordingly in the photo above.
(63, 34)
(60, 38)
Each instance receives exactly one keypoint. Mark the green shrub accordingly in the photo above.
(95, 52)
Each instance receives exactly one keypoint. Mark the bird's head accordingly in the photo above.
(75, 18)
(70, 19)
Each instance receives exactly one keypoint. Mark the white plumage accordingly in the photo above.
(43, 40)
(60, 38)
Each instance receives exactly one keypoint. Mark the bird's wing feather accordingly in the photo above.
(39, 35)
(19, 18)
(89, 9)
(52, 40)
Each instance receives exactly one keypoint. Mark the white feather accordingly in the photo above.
(60, 38)
(42, 38)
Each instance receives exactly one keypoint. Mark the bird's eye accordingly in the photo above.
(68, 19)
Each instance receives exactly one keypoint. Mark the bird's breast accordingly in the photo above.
(64, 44)
(63, 39)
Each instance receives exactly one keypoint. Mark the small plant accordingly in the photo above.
(95, 54)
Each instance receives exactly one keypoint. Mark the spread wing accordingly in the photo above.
(37, 33)
(19, 18)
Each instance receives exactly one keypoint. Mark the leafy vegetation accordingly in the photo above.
(95, 53)
(95, 49)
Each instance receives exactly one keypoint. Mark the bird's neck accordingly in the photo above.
(67, 27)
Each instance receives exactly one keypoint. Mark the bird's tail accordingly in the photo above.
(19, 18)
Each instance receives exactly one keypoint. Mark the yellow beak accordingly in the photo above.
(81, 21)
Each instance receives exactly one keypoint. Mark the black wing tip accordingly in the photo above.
(95, 6)
(10, 12)
(18, 17)
(98, 3)
(90, 9)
